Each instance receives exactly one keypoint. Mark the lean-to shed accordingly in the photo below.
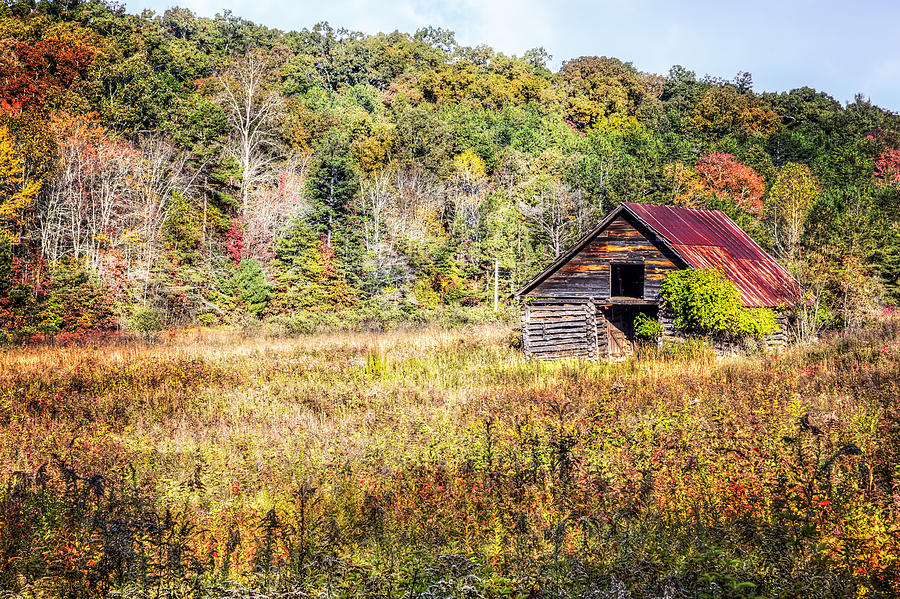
(584, 303)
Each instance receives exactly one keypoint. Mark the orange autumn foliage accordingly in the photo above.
(39, 62)
(738, 182)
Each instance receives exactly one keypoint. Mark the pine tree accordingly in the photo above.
(333, 181)
(251, 286)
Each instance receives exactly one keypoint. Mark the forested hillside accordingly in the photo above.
(171, 169)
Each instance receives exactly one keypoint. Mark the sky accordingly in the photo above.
(839, 47)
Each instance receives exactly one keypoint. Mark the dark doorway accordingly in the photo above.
(627, 280)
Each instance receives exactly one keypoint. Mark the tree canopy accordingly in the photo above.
(210, 169)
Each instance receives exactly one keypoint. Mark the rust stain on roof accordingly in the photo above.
(709, 239)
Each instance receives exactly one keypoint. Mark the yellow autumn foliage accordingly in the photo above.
(17, 190)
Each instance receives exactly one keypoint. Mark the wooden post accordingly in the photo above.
(496, 283)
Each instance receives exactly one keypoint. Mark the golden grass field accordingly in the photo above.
(441, 463)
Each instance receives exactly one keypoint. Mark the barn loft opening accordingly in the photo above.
(627, 280)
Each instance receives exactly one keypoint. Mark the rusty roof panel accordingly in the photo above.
(709, 239)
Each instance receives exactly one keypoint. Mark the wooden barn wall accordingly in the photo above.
(778, 338)
(586, 275)
(560, 329)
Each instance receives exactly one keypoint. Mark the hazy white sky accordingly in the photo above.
(839, 47)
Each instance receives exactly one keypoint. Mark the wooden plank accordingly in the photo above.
(546, 314)
(554, 325)
(561, 354)
(560, 336)
(557, 344)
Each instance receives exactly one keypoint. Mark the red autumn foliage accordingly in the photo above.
(740, 183)
(30, 73)
(234, 241)
(887, 166)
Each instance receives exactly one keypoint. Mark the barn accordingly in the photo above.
(584, 303)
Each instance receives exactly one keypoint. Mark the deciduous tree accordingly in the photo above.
(738, 182)
(788, 204)
(17, 190)
(253, 109)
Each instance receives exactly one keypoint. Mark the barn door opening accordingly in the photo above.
(620, 335)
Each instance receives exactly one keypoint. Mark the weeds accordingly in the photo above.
(442, 464)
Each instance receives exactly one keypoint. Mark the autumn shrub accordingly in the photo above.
(79, 300)
(37, 302)
(144, 321)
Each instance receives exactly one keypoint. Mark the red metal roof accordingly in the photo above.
(709, 239)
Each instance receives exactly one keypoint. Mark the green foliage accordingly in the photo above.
(183, 228)
(251, 286)
(144, 320)
(333, 180)
(305, 270)
(704, 301)
(647, 327)
(465, 141)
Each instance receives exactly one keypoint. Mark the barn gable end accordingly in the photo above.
(586, 273)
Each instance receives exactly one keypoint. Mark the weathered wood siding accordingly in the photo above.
(778, 338)
(602, 334)
(586, 275)
(667, 321)
(560, 329)
(781, 335)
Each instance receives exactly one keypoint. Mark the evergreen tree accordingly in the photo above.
(333, 181)
(251, 287)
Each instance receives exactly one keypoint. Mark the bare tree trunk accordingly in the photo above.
(252, 111)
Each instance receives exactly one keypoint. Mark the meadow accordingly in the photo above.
(439, 463)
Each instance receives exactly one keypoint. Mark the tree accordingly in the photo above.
(109, 196)
(788, 204)
(377, 197)
(44, 62)
(253, 110)
(333, 181)
(470, 186)
(887, 167)
(250, 286)
(687, 189)
(738, 182)
(86, 209)
(17, 191)
(601, 86)
(305, 272)
(724, 110)
(274, 203)
(557, 211)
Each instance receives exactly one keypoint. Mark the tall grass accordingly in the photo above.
(440, 463)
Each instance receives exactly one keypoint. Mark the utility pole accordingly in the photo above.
(496, 283)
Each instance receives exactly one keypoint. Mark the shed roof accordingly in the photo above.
(703, 239)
